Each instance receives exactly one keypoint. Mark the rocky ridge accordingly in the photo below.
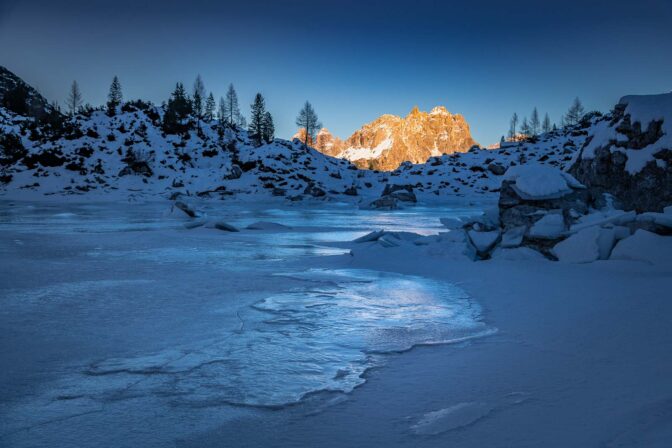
(390, 140)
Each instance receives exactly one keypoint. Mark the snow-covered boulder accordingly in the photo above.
(588, 245)
(483, 241)
(372, 236)
(645, 246)
(539, 182)
(513, 237)
(516, 254)
(529, 192)
(550, 226)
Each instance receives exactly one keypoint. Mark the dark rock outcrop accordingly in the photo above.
(603, 165)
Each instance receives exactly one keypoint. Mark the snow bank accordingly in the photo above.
(645, 246)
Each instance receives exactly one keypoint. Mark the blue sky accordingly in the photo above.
(354, 60)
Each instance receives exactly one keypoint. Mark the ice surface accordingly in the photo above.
(122, 318)
(454, 417)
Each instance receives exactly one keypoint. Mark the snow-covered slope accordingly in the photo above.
(128, 155)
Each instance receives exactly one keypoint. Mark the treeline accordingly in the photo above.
(528, 129)
(184, 111)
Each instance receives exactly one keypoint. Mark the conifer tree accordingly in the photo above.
(546, 126)
(268, 128)
(221, 112)
(114, 97)
(534, 123)
(257, 112)
(209, 113)
(525, 128)
(233, 117)
(308, 120)
(512, 128)
(74, 98)
(178, 111)
(198, 98)
(574, 114)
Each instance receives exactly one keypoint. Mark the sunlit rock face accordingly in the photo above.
(390, 140)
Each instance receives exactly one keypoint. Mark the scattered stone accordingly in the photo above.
(314, 191)
(186, 209)
(234, 173)
(402, 193)
(194, 224)
(386, 203)
(350, 191)
(225, 227)
(497, 169)
(266, 225)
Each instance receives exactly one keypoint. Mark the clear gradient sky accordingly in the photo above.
(354, 60)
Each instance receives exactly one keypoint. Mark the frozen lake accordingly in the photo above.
(121, 327)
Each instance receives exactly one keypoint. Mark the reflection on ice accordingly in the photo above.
(319, 337)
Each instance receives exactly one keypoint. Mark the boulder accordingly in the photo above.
(403, 193)
(314, 191)
(385, 203)
(373, 236)
(137, 167)
(578, 248)
(646, 247)
(186, 209)
(266, 225)
(497, 169)
(234, 173)
(513, 237)
(540, 182)
(225, 227)
(483, 242)
(550, 226)
(631, 156)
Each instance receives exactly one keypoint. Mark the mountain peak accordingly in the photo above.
(439, 110)
(390, 140)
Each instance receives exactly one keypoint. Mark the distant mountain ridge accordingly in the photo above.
(390, 140)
